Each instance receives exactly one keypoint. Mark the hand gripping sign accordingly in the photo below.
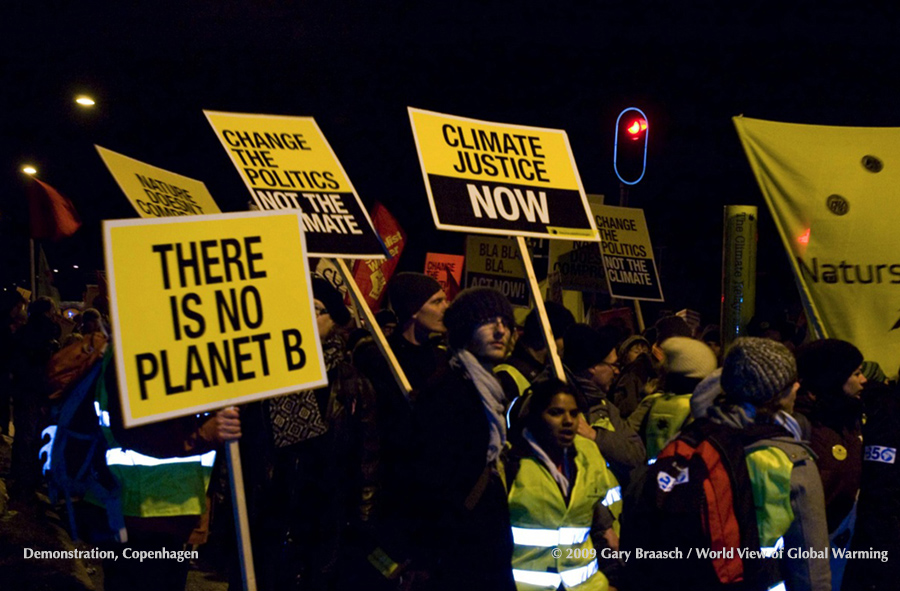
(210, 311)
(287, 163)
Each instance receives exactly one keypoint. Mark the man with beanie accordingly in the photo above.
(592, 367)
(419, 303)
(831, 382)
(759, 380)
(686, 363)
(459, 500)
(531, 354)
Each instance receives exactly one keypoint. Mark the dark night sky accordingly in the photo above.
(571, 65)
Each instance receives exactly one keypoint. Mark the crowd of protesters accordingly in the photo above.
(493, 462)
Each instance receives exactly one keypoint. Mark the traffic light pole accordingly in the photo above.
(639, 316)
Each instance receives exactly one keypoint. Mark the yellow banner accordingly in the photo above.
(497, 178)
(156, 192)
(832, 192)
(209, 312)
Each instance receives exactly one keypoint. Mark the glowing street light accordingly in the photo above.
(29, 169)
(85, 101)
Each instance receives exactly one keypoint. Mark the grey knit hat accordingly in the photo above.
(688, 357)
(757, 370)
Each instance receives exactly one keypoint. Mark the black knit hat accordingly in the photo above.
(586, 347)
(408, 292)
(472, 308)
(824, 366)
(671, 326)
(757, 370)
(332, 299)
(560, 320)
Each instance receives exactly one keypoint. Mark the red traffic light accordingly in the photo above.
(630, 157)
(635, 128)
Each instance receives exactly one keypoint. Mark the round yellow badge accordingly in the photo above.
(839, 452)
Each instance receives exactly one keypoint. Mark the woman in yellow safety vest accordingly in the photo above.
(559, 487)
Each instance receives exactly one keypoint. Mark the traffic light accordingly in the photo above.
(630, 150)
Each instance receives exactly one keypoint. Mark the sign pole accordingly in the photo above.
(380, 339)
(542, 311)
(241, 524)
(639, 315)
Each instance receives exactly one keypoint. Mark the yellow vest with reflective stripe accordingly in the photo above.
(518, 377)
(666, 417)
(542, 522)
(153, 487)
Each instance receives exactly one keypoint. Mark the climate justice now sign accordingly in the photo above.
(209, 311)
(502, 179)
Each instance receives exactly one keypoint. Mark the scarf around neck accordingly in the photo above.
(491, 397)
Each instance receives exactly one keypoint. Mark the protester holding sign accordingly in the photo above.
(163, 470)
(311, 467)
(419, 303)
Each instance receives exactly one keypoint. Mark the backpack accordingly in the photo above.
(74, 361)
(696, 496)
(76, 453)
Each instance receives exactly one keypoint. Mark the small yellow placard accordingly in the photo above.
(156, 192)
(209, 312)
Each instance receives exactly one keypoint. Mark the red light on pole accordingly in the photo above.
(630, 147)
(635, 128)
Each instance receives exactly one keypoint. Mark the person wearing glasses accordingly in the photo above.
(458, 501)
(593, 365)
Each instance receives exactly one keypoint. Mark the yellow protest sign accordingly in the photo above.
(496, 262)
(627, 253)
(209, 312)
(495, 178)
(287, 163)
(156, 192)
(831, 191)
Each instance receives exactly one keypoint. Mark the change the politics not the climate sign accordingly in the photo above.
(210, 311)
(155, 192)
(627, 253)
(495, 178)
(287, 163)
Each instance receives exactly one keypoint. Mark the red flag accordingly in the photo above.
(52, 216)
(372, 276)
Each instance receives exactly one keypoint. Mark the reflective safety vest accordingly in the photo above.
(153, 487)
(518, 377)
(544, 525)
(666, 417)
(613, 500)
